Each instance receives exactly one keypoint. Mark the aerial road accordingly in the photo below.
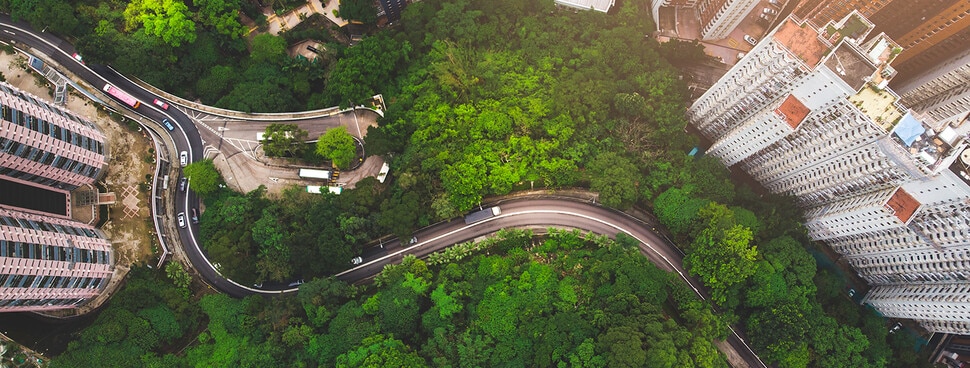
(532, 212)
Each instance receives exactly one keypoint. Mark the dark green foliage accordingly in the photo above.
(148, 314)
(358, 10)
(284, 140)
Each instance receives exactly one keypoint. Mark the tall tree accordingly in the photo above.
(338, 146)
(169, 20)
(203, 177)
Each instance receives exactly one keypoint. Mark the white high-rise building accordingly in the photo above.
(717, 17)
(807, 113)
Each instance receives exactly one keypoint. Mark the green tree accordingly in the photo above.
(203, 177)
(178, 275)
(678, 210)
(615, 178)
(722, 258)
(338, 146)
(284, 140)
(381, 351)
(268, 48)
(168, 20)
(221, 15)
(360, 10)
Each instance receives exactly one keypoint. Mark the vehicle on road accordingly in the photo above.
(181, 218)
(78, 57)
(122, 96)
(482, 215)
(315, 174)
(356, 260)
(161, 104)
(413, 240)
(195, 216)
(750, 40)
(296, 283)
(168, 125)
(184, 158)
(183, 184)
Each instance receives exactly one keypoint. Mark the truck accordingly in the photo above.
(483, 214)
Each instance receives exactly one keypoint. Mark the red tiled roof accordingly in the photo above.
(903, 204)
(802, 41)
(793, 110)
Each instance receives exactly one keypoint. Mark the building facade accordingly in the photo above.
(43, 144)
(47, 260)
(717, 17)
(50, 263)
(808, 112)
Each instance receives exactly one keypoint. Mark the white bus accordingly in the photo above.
(315, 174)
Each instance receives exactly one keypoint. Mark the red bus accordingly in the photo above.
(121, 95)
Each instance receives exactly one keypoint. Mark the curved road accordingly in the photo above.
(523, 212)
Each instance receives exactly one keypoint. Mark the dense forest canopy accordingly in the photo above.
(567, 299)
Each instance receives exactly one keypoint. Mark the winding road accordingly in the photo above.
(532, 212)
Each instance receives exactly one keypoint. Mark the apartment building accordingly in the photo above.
(930, 31)
(47, 260)
(809, 113)
(717, 17)
(50, 263)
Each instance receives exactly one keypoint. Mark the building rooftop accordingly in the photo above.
(793, 110)
(598, 5)
(853, 26)
(879, 105)
(849, 64)
(802, 40)
(903, 205)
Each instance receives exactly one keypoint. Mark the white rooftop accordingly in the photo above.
(598, 5)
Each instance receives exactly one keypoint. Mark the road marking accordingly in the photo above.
(8, 32)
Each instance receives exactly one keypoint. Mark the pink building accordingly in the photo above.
(47, 260)
(50, 263)
(45, 144)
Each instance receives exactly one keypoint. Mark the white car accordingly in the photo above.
(184, 158)
(357, 260)
(770, 11)
(181, 219)
(750, 40)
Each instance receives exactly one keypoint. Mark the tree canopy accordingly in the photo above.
(338, 146)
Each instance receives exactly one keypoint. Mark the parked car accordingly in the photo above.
(184, 158)
(161, 104)
(78, 57)
(740, 55)
(750, 40)
(183, 184)
(774, 3)
(181, 218)
(356, 260)
(296, 283)
(168, 125)
(770, 11)
(413, 240)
